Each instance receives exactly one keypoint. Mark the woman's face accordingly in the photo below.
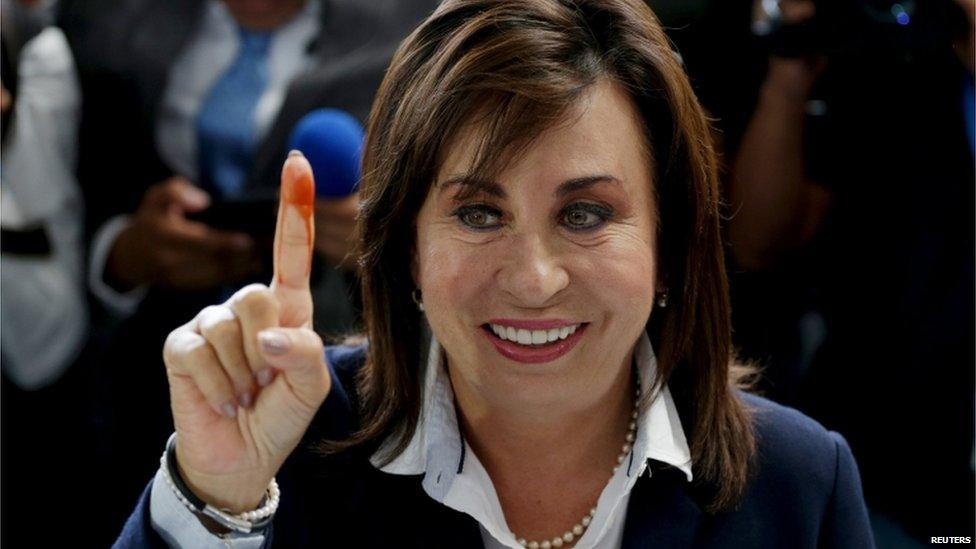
(539, 284)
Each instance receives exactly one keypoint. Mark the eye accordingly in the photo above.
(585, 216)
(478, 217)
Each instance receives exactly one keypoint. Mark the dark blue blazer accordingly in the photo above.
(805, 491)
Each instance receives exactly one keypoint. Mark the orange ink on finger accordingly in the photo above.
(298, 191)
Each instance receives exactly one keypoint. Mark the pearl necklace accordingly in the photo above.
(574, 533)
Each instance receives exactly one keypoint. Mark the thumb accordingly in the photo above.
(293, 242)
(298, 353)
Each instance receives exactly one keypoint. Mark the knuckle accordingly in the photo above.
(218, 324)
(169, 349)
(181, 347)
(198, 353)
(224, 332)
(254, 287)
(255, 300)
(208, 313)
(172, 184)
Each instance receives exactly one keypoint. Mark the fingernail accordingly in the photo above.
(229, 410)
(274, 343)
(244, 400)
(264, 377)
(295, 152)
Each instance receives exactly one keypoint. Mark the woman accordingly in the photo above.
(539, 190)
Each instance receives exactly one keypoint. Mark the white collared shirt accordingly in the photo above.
(455, 477)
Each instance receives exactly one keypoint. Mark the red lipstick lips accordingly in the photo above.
(535, 354)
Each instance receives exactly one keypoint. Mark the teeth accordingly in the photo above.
(532, 337)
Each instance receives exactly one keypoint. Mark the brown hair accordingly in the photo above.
(517, 67)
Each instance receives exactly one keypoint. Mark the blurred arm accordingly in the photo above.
(119, 303)
(774, 206)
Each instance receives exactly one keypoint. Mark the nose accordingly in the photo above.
(533, 272)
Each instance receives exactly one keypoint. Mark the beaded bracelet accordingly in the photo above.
(245, 523)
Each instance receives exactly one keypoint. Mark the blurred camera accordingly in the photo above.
(855, 27)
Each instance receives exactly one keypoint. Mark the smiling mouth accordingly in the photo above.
(531, 338)
(533, 346)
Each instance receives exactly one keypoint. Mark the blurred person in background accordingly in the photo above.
(44, 316)
(847, 130)
(186, 104)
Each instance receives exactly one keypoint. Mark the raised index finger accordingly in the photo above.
(294, 239)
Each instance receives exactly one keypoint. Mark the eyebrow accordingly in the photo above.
(581, 183)
(473, 186)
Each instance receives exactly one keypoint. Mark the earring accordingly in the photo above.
(662, 298)
(418, 299)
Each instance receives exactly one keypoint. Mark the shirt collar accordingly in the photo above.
(437, 449)
(218, 14)
(436, 445)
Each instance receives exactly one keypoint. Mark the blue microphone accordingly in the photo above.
(332, 141)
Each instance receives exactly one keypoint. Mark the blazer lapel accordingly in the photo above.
(661, 514)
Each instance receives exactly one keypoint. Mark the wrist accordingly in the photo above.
(235, 494)
(122, 272)
(783, 99)
(785, 90)
(792, 79)
(218, 520)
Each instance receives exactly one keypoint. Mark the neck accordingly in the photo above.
(548, 462)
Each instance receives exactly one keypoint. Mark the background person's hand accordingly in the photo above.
(246, 377)
(161, 246)
(794, 77)
(6, 101)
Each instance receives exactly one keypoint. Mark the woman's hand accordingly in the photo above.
(246, 377)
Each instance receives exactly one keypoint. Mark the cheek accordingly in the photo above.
(620, 274)
(453, 274)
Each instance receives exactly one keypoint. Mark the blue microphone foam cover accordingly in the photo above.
(332, 141)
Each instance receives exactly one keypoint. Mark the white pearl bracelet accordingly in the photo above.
(245, 523)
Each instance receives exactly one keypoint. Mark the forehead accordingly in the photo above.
(602, 133)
